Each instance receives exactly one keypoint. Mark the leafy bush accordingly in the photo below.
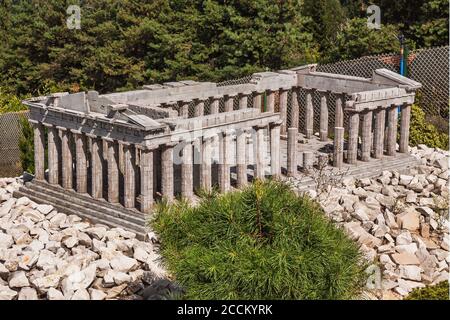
(422, 132)
(10, 102)
(263, 242)
(439, 291)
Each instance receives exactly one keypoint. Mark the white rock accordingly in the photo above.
(409, 220)
(408, 285)
(22, 201)
(411, 197)
(53, 294)
(50, 281)
(97, 294)
(404, 238)
(70, 242)
(123, 263)
(81, 294)
(28, 294)
(6, 293)
(18, 279)
(6, 241)
(47, 260)
(96, 232)
(385, 259)
(408, 248)
(405, 259)
(390, 219)
(33, 215)
(140, 254)
(7, 206)
(405, 180)
(82, 279)
(45, 209)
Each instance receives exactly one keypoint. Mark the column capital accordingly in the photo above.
(76, 131)
(216, 97)
(244, 94)
(92, 136)
(33, 122)
(170, 144)
(323, 92)
(227, 132)
(147, 147)
(124, 143)
(259, 126)
(62, 128)
(48, 125)
(283, 89)
(276, 123)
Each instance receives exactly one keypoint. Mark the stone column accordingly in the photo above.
(292, 152)
(187, 171)
(185, 109)
(206, 162)
(199, 108)
(113, 170)
(81, 162)
(146, 171)
(129, 190)
(338, 152)
(53, 155)
(392, 117)
(67, 163)
(308, 161)
(39, 151)
(405, 119)
(323, 116)
(260, 152)
(224, 161)
(257, 100)
(167, 188)
(283, 109)
(229, 103)
(353, 131)
(309, 119)
(214, 108)
(366, 136)
(378, 142)
(339, 112)
(241, 163)
(270, 101)
(275, 153)
(243, 100)
(294, 109)
(96, 167)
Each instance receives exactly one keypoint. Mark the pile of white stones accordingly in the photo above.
(45, 254)
(400, 221)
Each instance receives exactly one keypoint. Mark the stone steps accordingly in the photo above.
(370, 169)
(87, 199)
(88, 211)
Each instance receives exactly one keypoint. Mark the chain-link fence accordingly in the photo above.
(10, 132)
(427, 66)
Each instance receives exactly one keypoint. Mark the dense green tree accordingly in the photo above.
(357, 40)
(124, 44)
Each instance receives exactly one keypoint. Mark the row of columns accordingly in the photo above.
(59, 149)
(199, 105)
(382, 136)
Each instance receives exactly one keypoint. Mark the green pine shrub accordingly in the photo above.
(439, 291)
(423, 132)
(263, 242)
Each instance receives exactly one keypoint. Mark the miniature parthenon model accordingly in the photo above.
(109, 157)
